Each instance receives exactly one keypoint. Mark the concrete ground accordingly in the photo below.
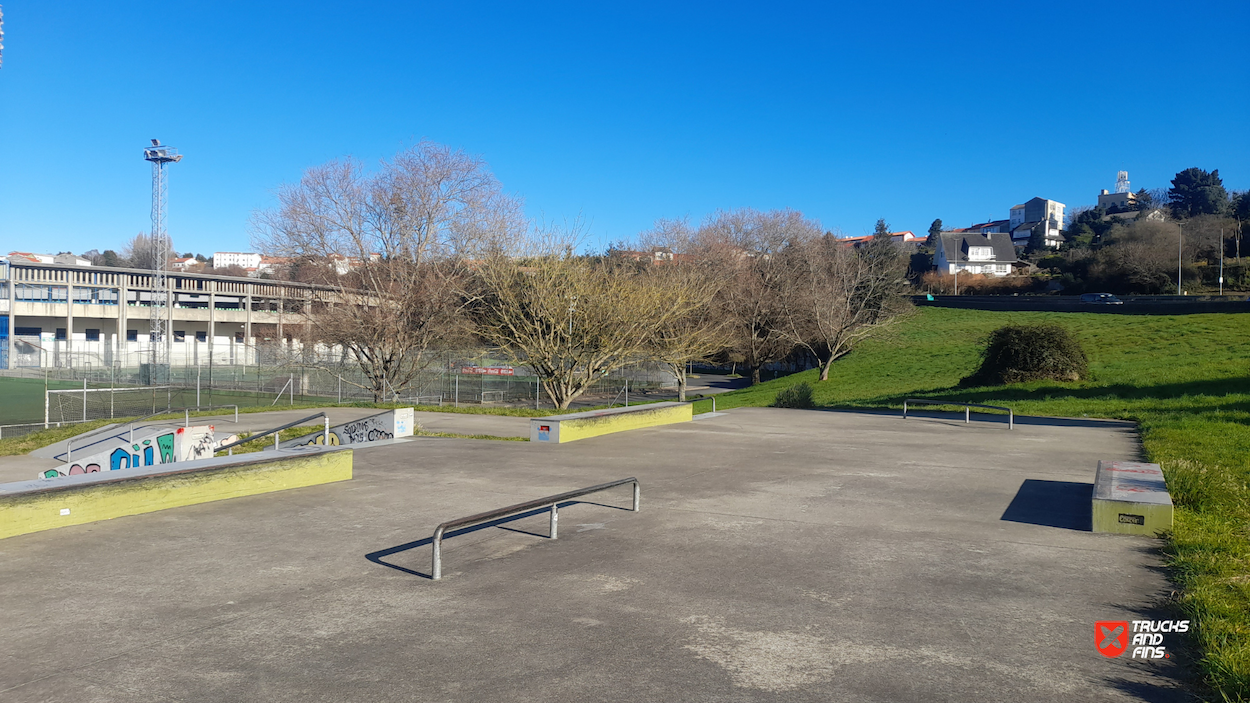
(779, 555)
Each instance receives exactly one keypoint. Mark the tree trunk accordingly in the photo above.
(824, 369)
(681, 388)
(755, 375)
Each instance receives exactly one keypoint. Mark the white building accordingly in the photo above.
(1037, 213)
(54, 315)
(969, 252)
(248, 260)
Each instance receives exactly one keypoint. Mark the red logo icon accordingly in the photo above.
(1111, 637)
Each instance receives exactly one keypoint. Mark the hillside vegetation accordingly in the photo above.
(1185, 380)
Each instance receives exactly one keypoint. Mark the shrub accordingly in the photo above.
(1017, 353)
(796, 396)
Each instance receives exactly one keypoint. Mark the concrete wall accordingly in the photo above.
(388, 425)
(1133, 305)
(560, 429)
(34, 506)
(150, 447)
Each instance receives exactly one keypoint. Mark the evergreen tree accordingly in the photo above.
(1196, 192)
(882, 230)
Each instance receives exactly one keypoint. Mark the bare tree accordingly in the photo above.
(1140, 257)
(835, 296)
(145, 251)
(573, 318)
(389, 314)
(390, 245)
(695, 334)
(743, 248)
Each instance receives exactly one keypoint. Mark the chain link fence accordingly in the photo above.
(452, 378)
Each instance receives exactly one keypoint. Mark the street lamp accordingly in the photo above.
(1180, 240)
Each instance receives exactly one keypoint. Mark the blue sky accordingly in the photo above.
(623, 113)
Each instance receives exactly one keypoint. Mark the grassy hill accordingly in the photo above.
(1184, 379)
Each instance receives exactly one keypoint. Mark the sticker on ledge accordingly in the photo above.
(1132, 519)
(544, 433)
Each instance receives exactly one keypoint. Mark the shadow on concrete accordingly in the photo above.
(1062, 504)
(377, 557)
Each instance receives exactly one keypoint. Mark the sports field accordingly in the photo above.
(23, 401)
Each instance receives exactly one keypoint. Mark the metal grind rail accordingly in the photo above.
(1011, 416)
(553, 502)
(229, 448)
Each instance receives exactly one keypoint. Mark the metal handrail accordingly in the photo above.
(274, 432)
(130, 427)
(436, 570)
(1011, 416)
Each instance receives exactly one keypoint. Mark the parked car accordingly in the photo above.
(1100, 299)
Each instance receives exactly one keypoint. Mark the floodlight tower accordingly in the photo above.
(161, 336)
(1121, 182)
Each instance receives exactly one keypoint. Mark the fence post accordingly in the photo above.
(554, 523)
(45, 400)
(187, 418)
(326, 439)
(457, 390)
(967, 414)
(197, 385)
(84, 400)
(627, 392)
(340, 388)
(292, 389)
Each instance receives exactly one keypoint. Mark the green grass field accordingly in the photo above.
(1184, 379)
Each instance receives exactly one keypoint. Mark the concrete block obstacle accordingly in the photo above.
(391, 424)
(1131, 498)
(34, 506)
(559, 429)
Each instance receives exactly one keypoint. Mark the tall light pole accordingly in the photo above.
(161, 304)
(1221, 261)
(1180, 240)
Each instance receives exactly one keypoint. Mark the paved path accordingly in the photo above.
(780, 555)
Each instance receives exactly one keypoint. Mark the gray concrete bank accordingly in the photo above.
(780, 555)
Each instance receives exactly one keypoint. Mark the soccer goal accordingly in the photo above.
(83, 404)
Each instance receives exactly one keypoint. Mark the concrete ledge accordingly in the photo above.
(33, 506)
(558, 429)
(1131, 498)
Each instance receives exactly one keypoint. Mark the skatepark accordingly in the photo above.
(777, 555)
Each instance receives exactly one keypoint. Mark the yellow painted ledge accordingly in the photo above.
(559, 429)
(108, 497)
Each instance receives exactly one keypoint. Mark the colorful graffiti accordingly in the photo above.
(151, 448)
(74, 470)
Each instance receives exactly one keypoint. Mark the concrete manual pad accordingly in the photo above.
(780, 555)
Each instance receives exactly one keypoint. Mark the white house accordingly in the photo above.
(991, 254)
(247, 260)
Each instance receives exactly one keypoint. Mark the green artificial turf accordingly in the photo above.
(1184, 379)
